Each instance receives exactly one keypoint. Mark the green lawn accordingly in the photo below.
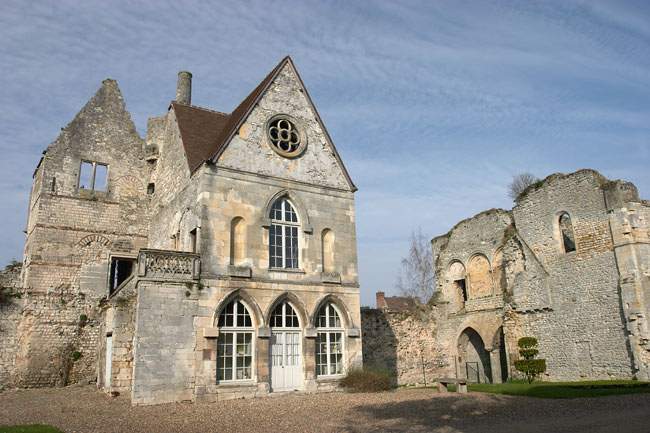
(32, 428)
(565, 389)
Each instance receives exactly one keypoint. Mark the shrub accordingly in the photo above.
(76, 356)
(529, 366)
(368, 379)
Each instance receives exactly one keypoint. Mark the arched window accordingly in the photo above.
(237, 241)
(456, 275)
(566, 233)
(283, 235)
(329, 342)
(328, 250)
(284, 316)
(235, 343)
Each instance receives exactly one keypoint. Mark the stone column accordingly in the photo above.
(495, 362)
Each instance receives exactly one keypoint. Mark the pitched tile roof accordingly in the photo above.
(199, 129)
(400, 302)
(205, 133)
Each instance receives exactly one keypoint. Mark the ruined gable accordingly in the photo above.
(249, 150)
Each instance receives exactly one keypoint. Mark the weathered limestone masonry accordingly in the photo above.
(568, 265)
(217, 260)
(76, 223)
(11, 293)
(404, 343)
(553, 268)
(223, 209)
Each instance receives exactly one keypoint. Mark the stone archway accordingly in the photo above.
(473, 359)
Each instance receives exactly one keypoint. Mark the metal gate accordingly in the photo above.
(472, 371)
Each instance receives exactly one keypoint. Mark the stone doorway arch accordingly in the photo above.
(473, 359)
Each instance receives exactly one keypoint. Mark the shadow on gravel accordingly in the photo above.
(447, 414)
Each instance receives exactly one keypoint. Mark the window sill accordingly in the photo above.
(332, 378)
(236, 383)
(288, 270)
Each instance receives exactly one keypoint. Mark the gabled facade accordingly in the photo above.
(219, 260)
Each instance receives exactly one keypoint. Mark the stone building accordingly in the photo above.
(214, 259)
(568, 265)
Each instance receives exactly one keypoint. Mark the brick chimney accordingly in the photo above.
(381, 302)
(184, 87)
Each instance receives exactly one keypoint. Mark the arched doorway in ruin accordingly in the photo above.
(473, 360)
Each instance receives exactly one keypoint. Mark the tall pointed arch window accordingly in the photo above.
(283, 235)
(329, 341)
(235, 343)
(566, 232)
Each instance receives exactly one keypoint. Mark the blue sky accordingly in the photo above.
(434, 106)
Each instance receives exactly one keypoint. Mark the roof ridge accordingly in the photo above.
(244, 107)
(200, 108)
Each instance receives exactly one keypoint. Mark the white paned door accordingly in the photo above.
(286, 367)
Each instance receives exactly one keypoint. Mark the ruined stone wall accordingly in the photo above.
(540, 289)
(583, 284)
(72, 232)
(11, 300)
(404, 342)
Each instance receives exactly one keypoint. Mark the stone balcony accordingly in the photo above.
(168, 265)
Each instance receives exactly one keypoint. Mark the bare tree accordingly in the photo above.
(519, 183)
(416, 276)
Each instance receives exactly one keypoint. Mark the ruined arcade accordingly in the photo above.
(568, 265)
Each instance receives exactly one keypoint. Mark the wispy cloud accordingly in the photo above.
(434, 105)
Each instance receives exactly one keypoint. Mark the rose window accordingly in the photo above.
(285, 136)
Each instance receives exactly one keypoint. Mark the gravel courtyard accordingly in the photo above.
(415, 410)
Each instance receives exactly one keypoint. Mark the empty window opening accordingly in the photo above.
(193, 241)
(54, 184)
(100, 177)
(93, 176)
(121, 270)
(566, 230)
(86, 175)
(151, 188)
(462, 288)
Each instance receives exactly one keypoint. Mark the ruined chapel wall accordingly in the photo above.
(71, 236)
(583, 284)
(476, 239)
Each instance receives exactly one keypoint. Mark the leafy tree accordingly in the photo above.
(519, 183)
(416, 277)
(529, 366)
